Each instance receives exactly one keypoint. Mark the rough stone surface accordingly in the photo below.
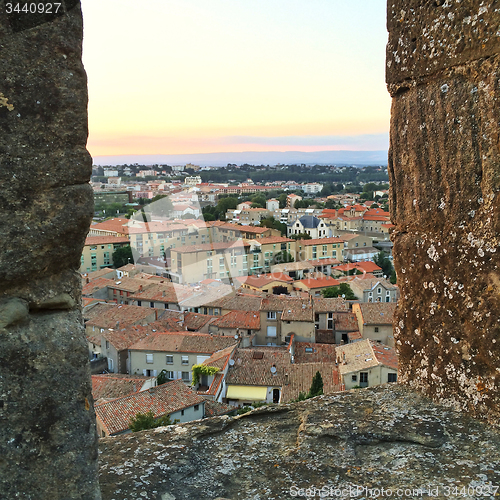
(386, 437)
(445, 204)
(48, 443)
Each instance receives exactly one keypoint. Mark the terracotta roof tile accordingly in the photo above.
(321, 241)
(183, 342)
(322, 305)
(163, 292)
(312, 283)
(195, 321)
(213, 408)
(95, 285)
(111, 386)
(365, 354)
(162, 400)
(103, 240)
(247, 320)
(237, 303)
(108, 316)
(377, 313)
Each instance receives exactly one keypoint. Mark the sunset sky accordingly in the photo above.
(200, 76)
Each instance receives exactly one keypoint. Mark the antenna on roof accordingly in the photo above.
(273, 370)
(231, 362)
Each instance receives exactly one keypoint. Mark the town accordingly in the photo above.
(203, 299)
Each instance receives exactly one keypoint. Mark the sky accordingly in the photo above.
(204, 76)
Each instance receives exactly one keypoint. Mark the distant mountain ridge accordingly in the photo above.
(360, 158)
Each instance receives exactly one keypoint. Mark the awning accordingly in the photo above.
(246, 392)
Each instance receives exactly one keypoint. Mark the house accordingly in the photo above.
(196, 322)
(174, 399)
(366, 363)
(333, 320)
(238, 302)
(296, 270)
(267, 283)
(360, 254)
(281, 316)
(315, 286)
(241, 324)
(116, 341)
(270, 374)
(98, 252)
(320, 248)
(291, 199)
(309, 224)
(165, 295)
(212, 386)
(110, 386)
(174, 352)
(358, 268)
(375, 320)
(374, 289)
(194, 263)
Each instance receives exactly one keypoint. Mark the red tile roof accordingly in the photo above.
(183, 342)
(321, 353)
(321, 241)
(108, 316)
(162, 400)
(213, 408)
(377, 313)
(195, 321)
(111, 386)
(102, 240)
(367, 266)
(322, 305)
(95, 285)
(163, 292)
(247, 320)
(319, 283)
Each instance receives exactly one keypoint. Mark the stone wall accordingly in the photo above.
(48, 444)
(443, 73)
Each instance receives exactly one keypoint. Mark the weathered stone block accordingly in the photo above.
(444, 167)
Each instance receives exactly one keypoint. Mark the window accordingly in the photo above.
(185, 360)
(325, 250)
(271, 331)
(182, 412)
(151, 304)
(271, 314)
(376, 329)
(196, 407)
(329, 324)
(354, 378)
(170, 375)
(392, 377)
(139, 302)
(309, 349)
(363, 377)
(107, 342)
(185, 376)
(379, 290)
(387, 298)
(149, 359)
(170, 360)
(315, 251)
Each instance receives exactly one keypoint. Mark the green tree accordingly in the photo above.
(301, 236)
(316, 386)
(393, 278)
(338, 291)
(383, 261)
(282, 200)
(283, 257)
(162, 377)
(272, 223)
(144, 421)
(258, 201)
(122, 255)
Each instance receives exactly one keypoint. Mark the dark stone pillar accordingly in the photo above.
(48, 443)
(443, 72)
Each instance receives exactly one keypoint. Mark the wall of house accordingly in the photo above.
(103, 256)
(189, 414)
(138, 362)
(304, 331)
(384, 332)
(376, 375)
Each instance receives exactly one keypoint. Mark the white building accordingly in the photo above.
(312, 188)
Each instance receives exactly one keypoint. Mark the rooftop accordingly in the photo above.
(247, 320)
(377, 313)
(161, 400)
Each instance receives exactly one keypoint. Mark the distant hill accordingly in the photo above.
(360, 158)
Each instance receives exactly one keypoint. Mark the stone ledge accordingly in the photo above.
(387, 436)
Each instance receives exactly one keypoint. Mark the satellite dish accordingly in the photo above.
(273, 370)
(231, 362)
(236, 336)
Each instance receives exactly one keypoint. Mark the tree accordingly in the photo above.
(282, 200)
(144, 421)
(384, 262)
(283, 257)
(338, 291)
(393, 278)
(162, 377)
(272, 223)
(301, 236)
(316, 386)
(122, 256)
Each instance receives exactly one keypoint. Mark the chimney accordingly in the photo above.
(140, 288)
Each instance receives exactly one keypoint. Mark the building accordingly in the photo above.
(174, 352)
(312, 187)
(317, 249)
(173, 399)
(375, 321)
(366, 363)
(272, 204)
(192, 180)
(98, 252)
(308, 224)
(374, 290)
